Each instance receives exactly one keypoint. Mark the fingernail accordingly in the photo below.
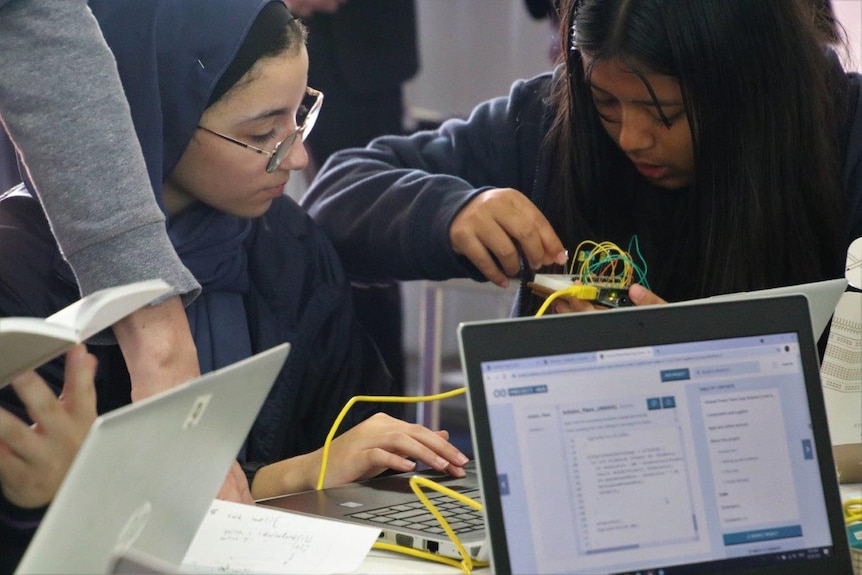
(441, 463)
(562, 257)
(461, 460)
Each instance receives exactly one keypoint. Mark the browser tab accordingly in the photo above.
(617, 355)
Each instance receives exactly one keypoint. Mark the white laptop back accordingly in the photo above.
(147, 473)
(822, 296)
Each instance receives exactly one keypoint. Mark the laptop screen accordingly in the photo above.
(675, 458)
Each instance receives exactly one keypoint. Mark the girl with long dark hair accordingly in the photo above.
(724, 136)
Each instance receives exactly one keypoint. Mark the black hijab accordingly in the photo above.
(176, 57)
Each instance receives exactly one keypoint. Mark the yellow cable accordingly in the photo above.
(578, 291)
(599, 265)
(417, 553)
(373, 398)
(430, 556)
(466, 564)
(416, 484)
(610, 256)
(852, 511)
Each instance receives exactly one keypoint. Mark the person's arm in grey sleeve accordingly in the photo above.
(62, 103)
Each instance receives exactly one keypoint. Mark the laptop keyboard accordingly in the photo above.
(414, 515)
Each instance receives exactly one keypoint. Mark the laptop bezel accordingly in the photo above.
(640, 327)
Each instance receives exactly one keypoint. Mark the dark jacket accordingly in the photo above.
(541, 8)
(298, 293)
(360, 56)
(371, 44)
(264, 281)
(418, 184)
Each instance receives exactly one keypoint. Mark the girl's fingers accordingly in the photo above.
(39, 400)
(79, 391)
(16, 439)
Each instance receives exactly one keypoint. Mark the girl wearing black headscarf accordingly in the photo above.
(218, 94)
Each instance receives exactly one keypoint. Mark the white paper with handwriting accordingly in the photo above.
(237, 538)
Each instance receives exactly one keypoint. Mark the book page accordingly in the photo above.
(27, 342)
(102, 309)
(237, 538)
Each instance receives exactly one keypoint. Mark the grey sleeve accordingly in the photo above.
(63, 105)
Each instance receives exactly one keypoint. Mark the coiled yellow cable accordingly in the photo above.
(466, 564)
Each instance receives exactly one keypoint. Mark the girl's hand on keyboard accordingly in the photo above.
(380, 442)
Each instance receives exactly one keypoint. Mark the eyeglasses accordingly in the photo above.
(306, 116)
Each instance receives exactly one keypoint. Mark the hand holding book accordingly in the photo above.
(27, 342)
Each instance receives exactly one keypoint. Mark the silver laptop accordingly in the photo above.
(822, 296)
(389, 504)
(147, 473)
(664, 440)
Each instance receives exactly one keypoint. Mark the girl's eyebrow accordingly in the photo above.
(265, 115)
(647, 102)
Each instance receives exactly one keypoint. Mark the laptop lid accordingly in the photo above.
(823, 296)
(147, 472)
(665, 439)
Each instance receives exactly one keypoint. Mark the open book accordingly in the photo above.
(28, 342)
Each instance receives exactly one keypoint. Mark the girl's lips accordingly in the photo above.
(275, 191)
(651, 171)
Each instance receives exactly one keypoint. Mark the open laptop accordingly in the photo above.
(389, 504)
(664, 440)
(822, 296)
(147, 473)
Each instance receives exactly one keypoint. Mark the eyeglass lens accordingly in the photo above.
(306, 115)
